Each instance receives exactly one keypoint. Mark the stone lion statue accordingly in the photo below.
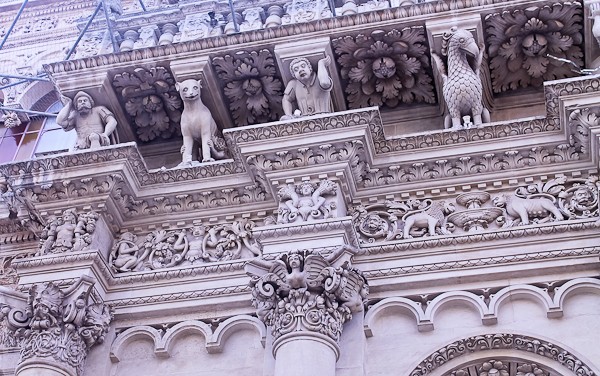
(527, 208)
(430, 218)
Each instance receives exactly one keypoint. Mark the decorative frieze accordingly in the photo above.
(56, 326)
(385, 68)
(519, 41)
(150, 98)
(70, 232)
(197, 26)
(309, 201)
(162, 249)
(303, 291)
(251, 86)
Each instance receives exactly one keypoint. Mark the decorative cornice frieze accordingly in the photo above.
(502, 341)
(481, 262)
(161, 298)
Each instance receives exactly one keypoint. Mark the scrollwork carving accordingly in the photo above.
(56, 325)
(303, 291)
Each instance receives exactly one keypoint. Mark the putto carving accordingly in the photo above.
(69, 232)
(305, 291)
(307, 200)
(57, 326)
(519, 41)
(164, 249)
(151, 100)
(462, 86)
(197, 125)
(196, 26)
(305, 11)
(94, 124)
(251, 86)
(309, 92)
(385, 68)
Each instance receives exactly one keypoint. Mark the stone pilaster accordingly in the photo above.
(55, 328)
(305, 298)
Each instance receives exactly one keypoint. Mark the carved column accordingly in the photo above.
(55, 328)
(305, 298)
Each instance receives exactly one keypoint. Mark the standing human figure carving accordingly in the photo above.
(93, 124)
(462, 87)
(309, 92)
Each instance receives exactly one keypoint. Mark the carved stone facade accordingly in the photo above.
(444, 151)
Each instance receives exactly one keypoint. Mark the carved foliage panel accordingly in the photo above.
(520, 40)
(150, 99)
(251, 86)
(385, 68)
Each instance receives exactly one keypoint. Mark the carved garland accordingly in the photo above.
(500, 341)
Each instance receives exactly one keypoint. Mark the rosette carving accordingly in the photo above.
(304, 291)
(56, 325)
(151, 100)
(385, 68)
(251, 86)
(520, 41)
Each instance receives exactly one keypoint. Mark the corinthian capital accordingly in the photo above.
(56, 326)
(304, 291)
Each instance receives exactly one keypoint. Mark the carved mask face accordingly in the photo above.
(83, 105)
(189, 90)
(306, 189)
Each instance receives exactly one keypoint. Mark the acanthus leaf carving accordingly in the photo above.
(304, 291)
(151, 100)
(251, 86)
(519, 41)
(385, 68)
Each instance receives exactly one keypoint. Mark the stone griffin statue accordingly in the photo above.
(197, 125)
(539, 206)
(94, 124)
(429, 217)
(462, 87)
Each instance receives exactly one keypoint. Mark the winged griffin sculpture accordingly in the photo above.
(462, 87)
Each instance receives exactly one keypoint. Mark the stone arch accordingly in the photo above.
(468, 298)
(185, 327)
(532, 293)
(230, 326)
(465, 351)
(131, 334)
(404, 304)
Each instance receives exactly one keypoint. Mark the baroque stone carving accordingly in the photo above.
(385, 68)
(11, 119)
(197, 125)
(305, 11)
(196, 26)
(307, 200)
(476, 217)
(501, 341)
(462, 87)
(151, 100)
(303, 291)
(164, 249)
(251, 86)
(309, 91)
(94, 124)
(57, 326)
(430, 216)
(69, 232)
(519, 41)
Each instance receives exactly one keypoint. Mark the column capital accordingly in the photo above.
(302, 292)
(56, 327)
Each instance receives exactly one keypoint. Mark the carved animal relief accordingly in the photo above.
(151, 100)
(164, 249)
(385, 68)
(251, 86)
(519, 41)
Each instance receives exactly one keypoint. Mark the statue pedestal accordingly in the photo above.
(305, 354)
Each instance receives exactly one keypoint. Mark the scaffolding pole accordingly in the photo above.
(30, 112)
(12, 25)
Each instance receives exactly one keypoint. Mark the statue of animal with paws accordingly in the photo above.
(525, 208)
(429, 218)
(197, 123)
